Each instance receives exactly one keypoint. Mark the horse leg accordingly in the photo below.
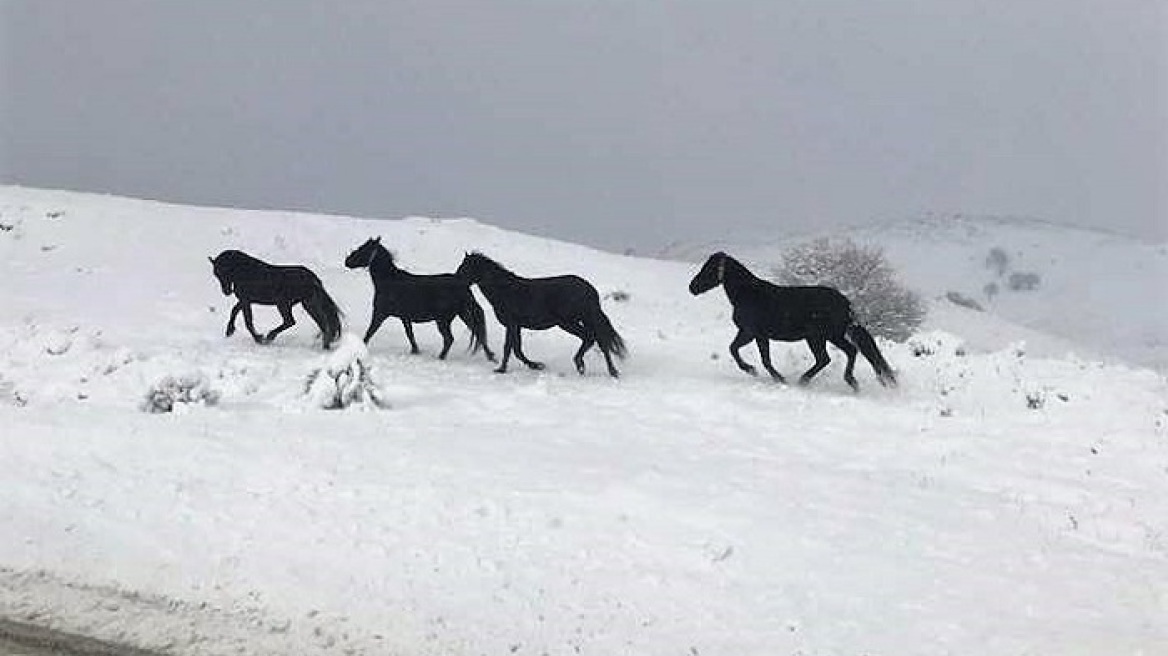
(741, 339)
(531, 364)
(764, 353)
(375, 323)
(586, 339)
(508, 340)
(249, 323)
(849, 350)
(410, 336)
(818, 347)
(594, 335)
(286, 315)
(231, 320)
(447, 336)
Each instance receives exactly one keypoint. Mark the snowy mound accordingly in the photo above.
(1010, 496)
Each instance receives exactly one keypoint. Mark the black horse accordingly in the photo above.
(255, 281)
(411, 297)
(569, 302)
(764, 311)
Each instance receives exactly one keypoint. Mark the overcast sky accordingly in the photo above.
(610, 122)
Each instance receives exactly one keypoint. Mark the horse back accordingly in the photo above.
(421, 297)
(542, 302)
(276, 283)
(792, 313)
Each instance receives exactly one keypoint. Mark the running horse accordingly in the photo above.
(764, 311)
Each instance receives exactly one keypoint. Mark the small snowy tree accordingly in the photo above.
(345, 380)
(862, 273)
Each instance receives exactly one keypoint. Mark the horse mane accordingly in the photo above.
(379, 253)
(390, 254)
(387, 253)
(479, 256)
(739, 268)
(232, 258)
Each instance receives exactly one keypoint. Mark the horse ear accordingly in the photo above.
(378, 240)
(210, 259)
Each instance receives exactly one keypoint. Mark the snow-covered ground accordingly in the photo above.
(1010, 497)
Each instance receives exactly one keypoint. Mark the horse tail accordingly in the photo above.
(863, 340)
(325, 312)
(474, 318)
(607, 336)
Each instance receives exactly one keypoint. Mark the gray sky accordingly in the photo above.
(609, 122)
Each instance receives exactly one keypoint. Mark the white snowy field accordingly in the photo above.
(1010, 497)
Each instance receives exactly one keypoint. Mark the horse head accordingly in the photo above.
(471, 267)
(712, 274)
(364, 254)
(220, 269)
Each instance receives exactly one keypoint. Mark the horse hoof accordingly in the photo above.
(538, 366)
(500, 370)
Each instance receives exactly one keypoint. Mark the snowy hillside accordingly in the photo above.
(1006, 499)
(1103, 292)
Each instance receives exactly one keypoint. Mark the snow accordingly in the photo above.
(1010, 497)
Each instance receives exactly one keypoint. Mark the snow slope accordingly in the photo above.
(997, 502)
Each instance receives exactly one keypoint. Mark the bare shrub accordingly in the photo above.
(998, 261)
(620, 296)
(957, 298)
(862, 273)
(1024, 281)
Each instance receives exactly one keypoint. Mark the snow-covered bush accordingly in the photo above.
(345, 380)
(173, 392)
(862, 273)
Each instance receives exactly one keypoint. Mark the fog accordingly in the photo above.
(613, 123)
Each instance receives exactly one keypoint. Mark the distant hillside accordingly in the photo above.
(1105, 291)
